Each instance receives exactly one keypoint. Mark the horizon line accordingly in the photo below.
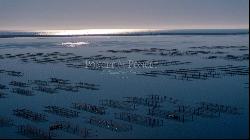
(122, 32)
(44, 30)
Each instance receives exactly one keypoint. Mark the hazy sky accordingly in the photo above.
(85, 14)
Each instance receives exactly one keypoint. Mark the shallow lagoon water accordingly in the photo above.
(123, 82)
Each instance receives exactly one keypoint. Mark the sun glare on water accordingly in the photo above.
(74, 44)
(91, 31)
(86, 32)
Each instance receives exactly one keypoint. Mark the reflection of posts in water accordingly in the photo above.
(89, 108)
(139, 119)
(3, 87)
(2, 94)
(71, 128)
(22, 91)
(45, 89)
(203, 73)
(5, 122)
(109, 124)
(11, 73)
(34, 132)
(118, 104)
(18, 84)
(171, 115)
(28, 114)
(61, 111)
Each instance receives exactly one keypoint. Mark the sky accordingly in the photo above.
(122, 14)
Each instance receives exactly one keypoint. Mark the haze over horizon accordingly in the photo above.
(120, 14)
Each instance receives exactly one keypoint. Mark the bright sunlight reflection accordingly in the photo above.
(92, 31)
